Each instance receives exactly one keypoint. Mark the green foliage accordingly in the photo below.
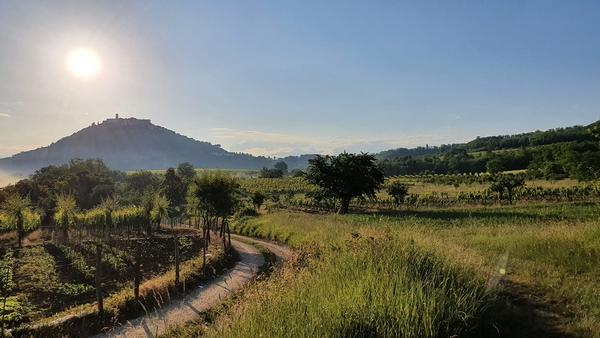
(77, 261)
(214, 195)
(247, 212)
(369, 288)
(138, 185)
(14, 312)
(89, 181)
(74, 290)
(345, 176)
(36, 272)
(174, 189)
(186, 172)
(505, 185)
(281, 165)
(258, 198)
(101, 220)
(495, 166)
(271, 173)
(17, 215)
(397, 190)
(160, 209)
(7, 282)
(66, 208)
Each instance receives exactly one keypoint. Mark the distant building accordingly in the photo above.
(126, 121)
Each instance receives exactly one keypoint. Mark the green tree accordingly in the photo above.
(258, 198)
(494, 166)
(270, 173)
(397, 190)
(174, 189)
(345, 176)
(594, 130)
(281, 165)
(139, 184)
(214, 197)
(505, 185)
(186, 171)
(16, 207)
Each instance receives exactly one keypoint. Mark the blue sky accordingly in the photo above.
(290, 77)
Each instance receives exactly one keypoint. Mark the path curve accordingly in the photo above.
(203, 298)
(282, 252)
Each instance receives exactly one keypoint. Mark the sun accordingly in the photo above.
(83, 63)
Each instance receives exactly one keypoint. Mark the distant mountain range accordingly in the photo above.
(132, 144)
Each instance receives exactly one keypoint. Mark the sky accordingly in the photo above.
(289, 77)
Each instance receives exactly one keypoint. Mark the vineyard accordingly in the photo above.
(425, 191)
(73, 271)
(92, 265)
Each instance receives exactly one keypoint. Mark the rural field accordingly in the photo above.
(326, 169)
(436, 264)
(527, 271)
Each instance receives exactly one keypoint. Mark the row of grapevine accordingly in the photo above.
(31, 221)
(441, 199)
(102, 221)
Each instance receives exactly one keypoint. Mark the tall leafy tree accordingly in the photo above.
(281, 165)
(186, 172)
(345, 176)
(258, 198)
(173, 189)
(214, 196)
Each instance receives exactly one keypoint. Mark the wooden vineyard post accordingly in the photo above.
(136, 272)
(204, 244)
(176, 240)
(99, 279)
(228, 235)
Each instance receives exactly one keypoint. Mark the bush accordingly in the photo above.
(247, 212)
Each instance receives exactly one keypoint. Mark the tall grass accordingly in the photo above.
(553, 249)
(384, 287)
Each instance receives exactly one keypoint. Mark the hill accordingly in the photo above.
(131, 144)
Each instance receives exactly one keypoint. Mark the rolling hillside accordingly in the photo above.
(131, 144)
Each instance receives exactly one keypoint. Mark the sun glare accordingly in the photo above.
(83, 63)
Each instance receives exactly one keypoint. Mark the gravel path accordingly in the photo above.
(199, 300)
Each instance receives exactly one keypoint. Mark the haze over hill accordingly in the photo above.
(135, 144)
(131, 144)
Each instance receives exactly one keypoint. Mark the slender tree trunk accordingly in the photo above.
(176, 240)
(136, 273)
(99, 280)
(205, 244)
(20, 230)
(229, 235)
(223, 234)
(344, 206)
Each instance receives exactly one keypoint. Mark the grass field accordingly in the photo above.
(509, 271)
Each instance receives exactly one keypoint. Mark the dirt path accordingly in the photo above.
(282, 252)
(199, 300)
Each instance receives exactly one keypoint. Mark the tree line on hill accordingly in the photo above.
(555, 154)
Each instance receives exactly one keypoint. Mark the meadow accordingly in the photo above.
(528, 270)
